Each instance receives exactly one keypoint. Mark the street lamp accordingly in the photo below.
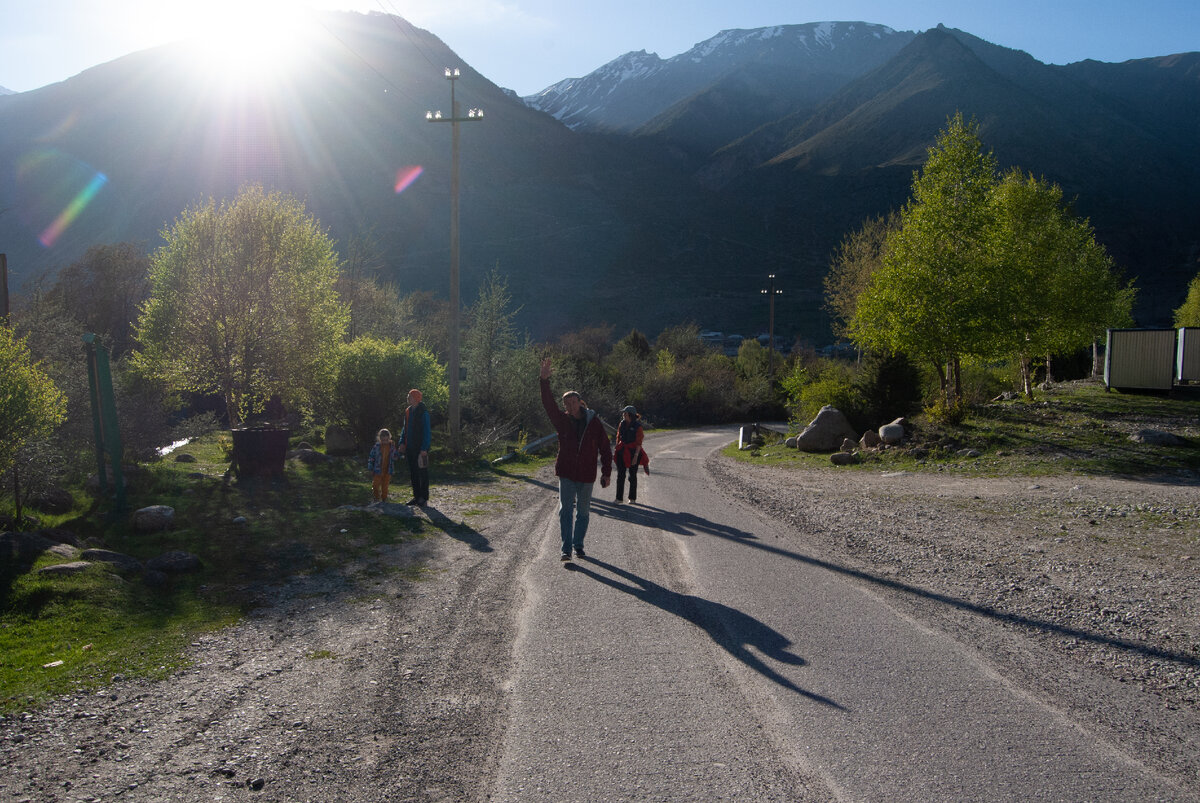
(771, 293)
(474, 115)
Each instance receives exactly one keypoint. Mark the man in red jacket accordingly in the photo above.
(581, 438)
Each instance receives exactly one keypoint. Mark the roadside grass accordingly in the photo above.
(1075, 427)
(62, 634)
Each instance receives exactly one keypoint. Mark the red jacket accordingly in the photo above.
(577, 455)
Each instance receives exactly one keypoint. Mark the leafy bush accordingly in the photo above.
(888, 386)
(373, 380)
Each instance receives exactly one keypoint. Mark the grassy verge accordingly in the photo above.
(1076, 427)
(65, 634)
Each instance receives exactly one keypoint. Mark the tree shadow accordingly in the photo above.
(689, 524)
(733, 630)
(459, 532)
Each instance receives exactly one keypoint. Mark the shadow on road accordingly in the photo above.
(459, 532)
(733, 630)
(690, 524)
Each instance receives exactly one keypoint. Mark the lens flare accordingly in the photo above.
(405, 176)
(52, 232)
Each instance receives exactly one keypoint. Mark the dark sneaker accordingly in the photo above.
(412, 502)
(579, 553)
(620, 500)
(565, 556)
(632, 500)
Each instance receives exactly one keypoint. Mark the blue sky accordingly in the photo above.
(527, 45)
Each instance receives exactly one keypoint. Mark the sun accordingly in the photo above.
(249, 43)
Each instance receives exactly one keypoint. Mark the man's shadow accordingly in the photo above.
(733, 630)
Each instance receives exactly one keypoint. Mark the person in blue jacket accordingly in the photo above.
(414, 443)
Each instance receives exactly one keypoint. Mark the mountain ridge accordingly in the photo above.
(707, 176)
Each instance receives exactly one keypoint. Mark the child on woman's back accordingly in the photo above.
(380, 463)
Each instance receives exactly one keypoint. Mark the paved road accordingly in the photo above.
(702, 652)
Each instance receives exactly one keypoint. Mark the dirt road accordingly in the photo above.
(365, 686)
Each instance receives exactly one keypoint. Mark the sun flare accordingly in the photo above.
(248, 44)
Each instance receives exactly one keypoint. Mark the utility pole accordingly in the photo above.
(771, 293)
(454, 119)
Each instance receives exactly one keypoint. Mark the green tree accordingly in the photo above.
(243, 304)
(30, 405)
(373, 380)
(488, 346)
(1063, 290)
(858, 257)
(103, 291)
(931, 297)
(1188, 313)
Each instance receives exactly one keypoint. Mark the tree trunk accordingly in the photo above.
(1049, 376)
(1026, 376)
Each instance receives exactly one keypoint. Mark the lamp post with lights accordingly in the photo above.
(771, 293)
(454, 119)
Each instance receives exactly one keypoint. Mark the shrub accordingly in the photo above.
(373, 380)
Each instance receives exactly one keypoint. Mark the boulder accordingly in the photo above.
(309, 456)
(790, 442)
(843, 458)
(339, 441)
(115, 558)
(22, 547)
(153, 519)
(1156, 437)
(55, 501)
(848, 445)
(892, 433)
(174, 562)
(826, 432)
(870, 439)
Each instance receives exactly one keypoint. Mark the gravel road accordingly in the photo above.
(367, 686)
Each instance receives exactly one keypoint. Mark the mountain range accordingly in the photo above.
(648, 193)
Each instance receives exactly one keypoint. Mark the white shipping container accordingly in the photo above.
(1140, 359)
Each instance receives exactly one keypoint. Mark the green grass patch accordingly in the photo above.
(101, 623)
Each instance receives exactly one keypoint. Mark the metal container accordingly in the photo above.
(1140, 359)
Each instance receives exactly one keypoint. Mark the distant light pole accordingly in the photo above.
(454, 119)
(771, 293)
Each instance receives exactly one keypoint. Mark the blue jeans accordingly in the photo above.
(574, 499)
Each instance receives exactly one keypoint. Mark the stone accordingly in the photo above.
(75, 567)
(309, 456)
(892, 433)
(969, 453)
(848, 445)
(843, 458)
(826, 432)
(55, 501)
(790, 442)
(870, 439)
(59, 536)
(115, 558)
(64, 551)
(20, 547)
(176, 561)
(1156, 437)
(153, 519)
(154, 579)
(339, 441)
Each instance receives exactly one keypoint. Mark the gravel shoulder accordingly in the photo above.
(1081, 590)
(379, 682)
